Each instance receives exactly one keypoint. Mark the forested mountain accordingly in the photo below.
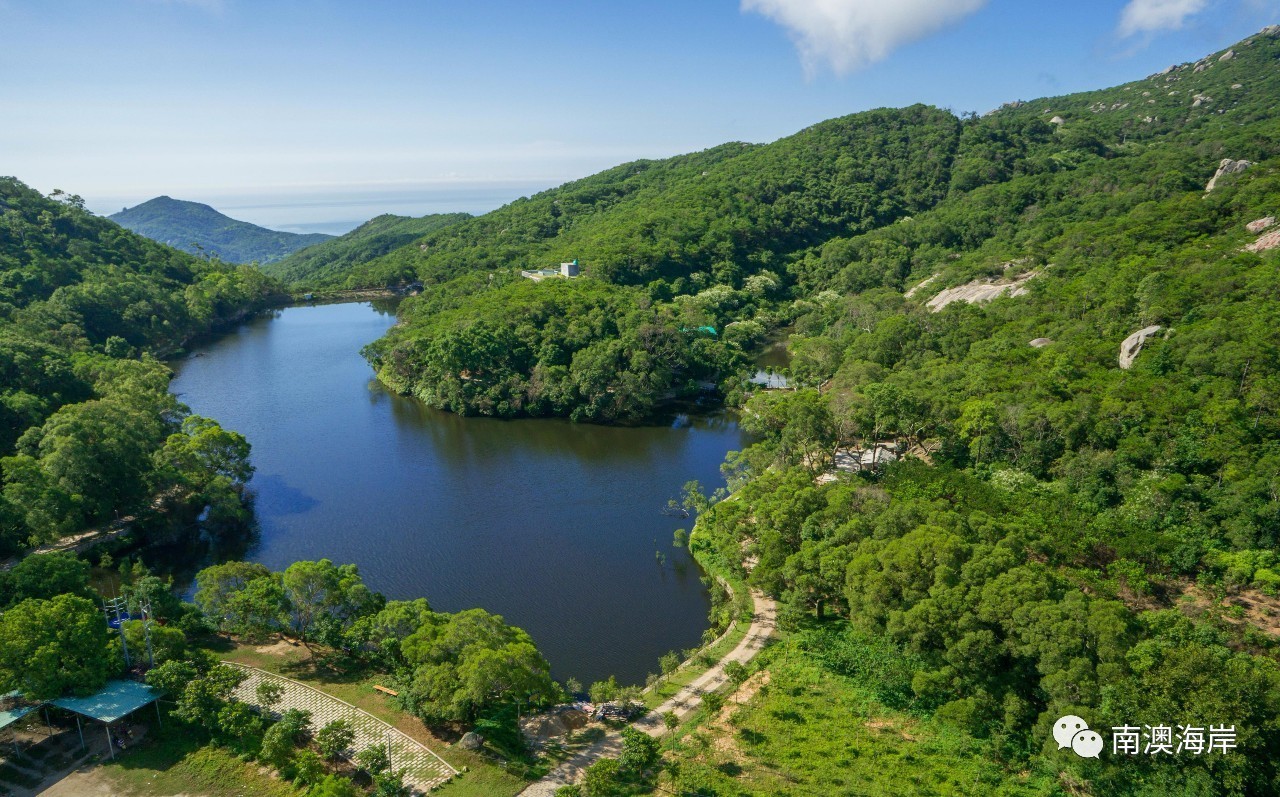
(201, 230)
(329, 264)
(87, 425)
(725, 212)
(725, 238)
(1065, 534)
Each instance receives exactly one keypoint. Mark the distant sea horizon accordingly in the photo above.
(336, 210)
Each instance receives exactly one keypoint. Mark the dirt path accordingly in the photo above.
(682, 703)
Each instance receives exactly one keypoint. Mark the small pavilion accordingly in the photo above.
(114, 701)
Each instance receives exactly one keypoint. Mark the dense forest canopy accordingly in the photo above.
(330, 264)
(88, 429)
(200, 230)
(744, 235)
(1064, 535)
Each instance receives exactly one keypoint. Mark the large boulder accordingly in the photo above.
(1258, 225)
(981, 291)
(1133, 345)
(471, 741)
(1227, 166)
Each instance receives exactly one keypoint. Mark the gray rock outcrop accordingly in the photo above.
(982, 291)
(471, 741)
(1133, 345)
(1227, 166)
(922, 284)
(1040, 343)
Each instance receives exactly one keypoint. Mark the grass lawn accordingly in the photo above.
(811, 733)
(483, 777)
(176, 764)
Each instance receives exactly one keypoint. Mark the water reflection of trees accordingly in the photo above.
(480, 439)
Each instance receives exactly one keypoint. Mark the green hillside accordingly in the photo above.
(201, 230)
(1062, 535)
(724, 212)
(727, 237)
(87, 425)
(328, 264)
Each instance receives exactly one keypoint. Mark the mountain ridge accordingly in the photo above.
(200, 229)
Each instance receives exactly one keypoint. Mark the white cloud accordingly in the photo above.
(1151, 16)
(849, 34)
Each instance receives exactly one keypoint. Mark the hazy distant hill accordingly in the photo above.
(199, 229)
(327, 264)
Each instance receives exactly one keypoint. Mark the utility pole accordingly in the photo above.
(116, 605)
(145, 608)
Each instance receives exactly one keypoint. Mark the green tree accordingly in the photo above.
(218, 584)
(166, 642)
(472, 660)
(374, 760)
(669, 662)
(736, 671)
(714, 701)
(51, 647)
(308, 768)
(603, 778)
(335, 737)
(269, 695)
(639, 752)
(45, 576)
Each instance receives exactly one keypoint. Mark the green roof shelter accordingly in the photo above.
(11, 715)
(112, 702)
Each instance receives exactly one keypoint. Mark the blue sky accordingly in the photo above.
(119, 100)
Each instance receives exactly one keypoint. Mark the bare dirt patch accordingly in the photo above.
(1246, 606)
(284, 649)
(893, 726)
(721, 726)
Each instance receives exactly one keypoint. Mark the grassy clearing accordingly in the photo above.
(809, 732)
(174, 764)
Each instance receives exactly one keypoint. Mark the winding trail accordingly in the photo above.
(682, 703)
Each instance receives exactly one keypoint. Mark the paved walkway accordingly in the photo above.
(682, 703)
(424, 770)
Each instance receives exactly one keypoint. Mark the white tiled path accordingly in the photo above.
(424, 770)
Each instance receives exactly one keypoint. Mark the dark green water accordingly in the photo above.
(551, 524)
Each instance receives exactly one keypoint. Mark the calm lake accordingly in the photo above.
(553, 525)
